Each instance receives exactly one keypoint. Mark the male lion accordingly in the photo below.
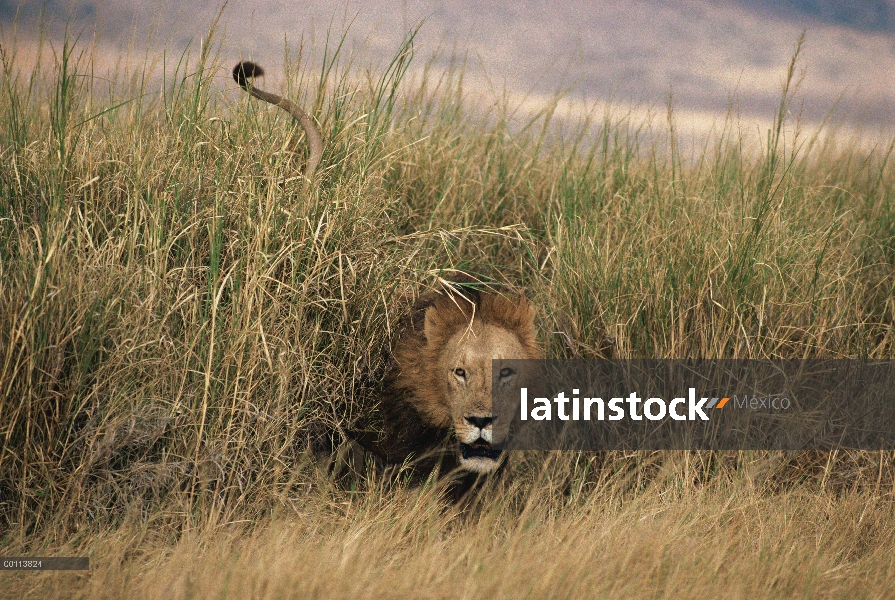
(436, 407)
(437, 404)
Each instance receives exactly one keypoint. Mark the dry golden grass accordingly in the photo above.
(728, 539)
(182, 329)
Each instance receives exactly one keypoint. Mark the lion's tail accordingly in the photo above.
(246, 70)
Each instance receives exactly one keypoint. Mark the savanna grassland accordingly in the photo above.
(185, 332)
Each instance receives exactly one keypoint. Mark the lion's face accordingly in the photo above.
(447, 365)
(465, 367)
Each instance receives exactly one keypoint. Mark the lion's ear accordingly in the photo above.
(430, 323)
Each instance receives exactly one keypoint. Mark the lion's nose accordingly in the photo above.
(480, 422)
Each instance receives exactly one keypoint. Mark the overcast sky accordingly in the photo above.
(633, 52)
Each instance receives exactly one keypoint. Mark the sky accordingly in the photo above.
(632, 54)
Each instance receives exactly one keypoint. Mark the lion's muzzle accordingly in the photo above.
(478, 450)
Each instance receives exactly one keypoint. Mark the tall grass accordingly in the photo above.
(183, 329)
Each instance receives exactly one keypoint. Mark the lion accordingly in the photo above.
(436, 405)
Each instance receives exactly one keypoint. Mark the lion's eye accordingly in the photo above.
(506, 372)
(460, 373)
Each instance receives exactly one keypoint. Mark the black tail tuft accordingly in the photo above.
(244, 70)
